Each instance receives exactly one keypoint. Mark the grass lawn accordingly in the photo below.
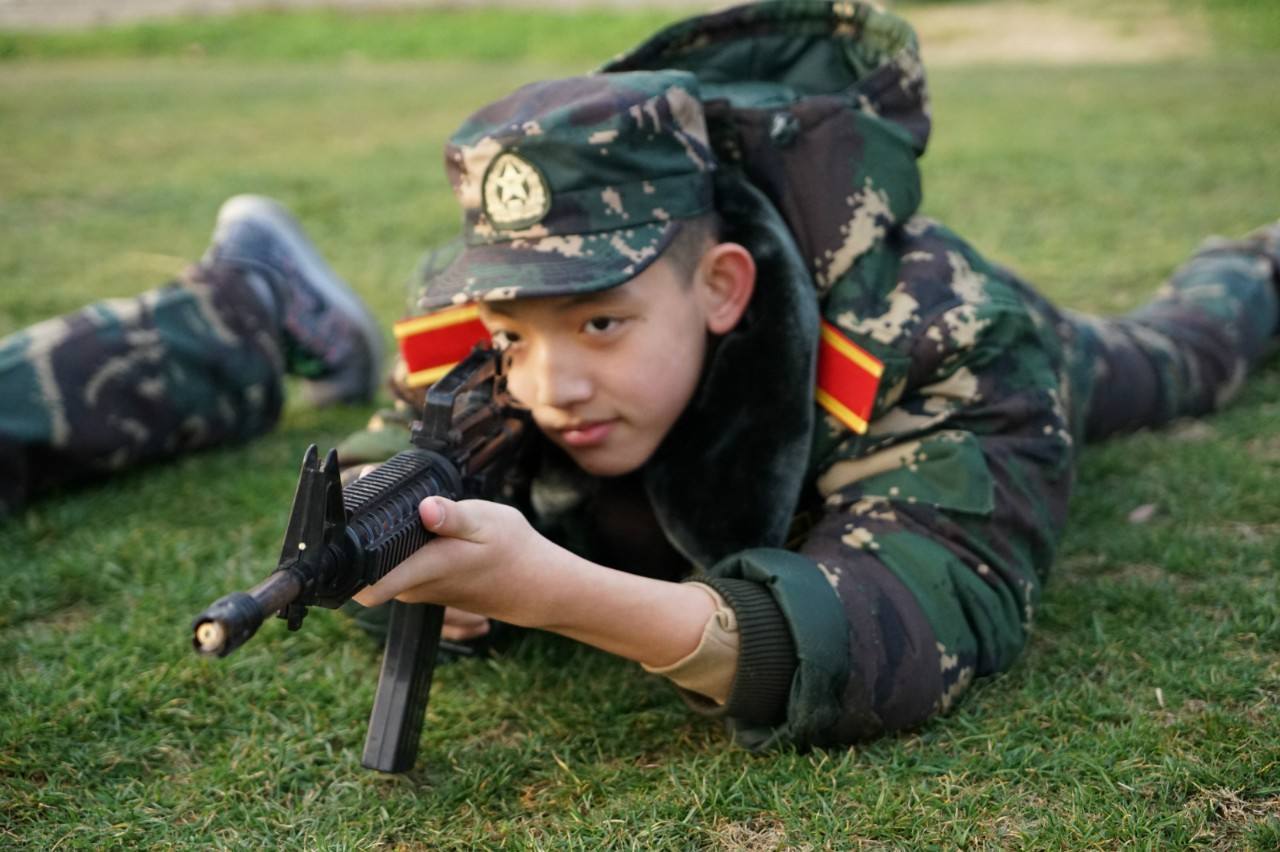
(1143, 713)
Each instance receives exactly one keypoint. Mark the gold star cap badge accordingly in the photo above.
(515, 193)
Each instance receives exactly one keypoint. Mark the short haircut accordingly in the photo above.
(696, 235)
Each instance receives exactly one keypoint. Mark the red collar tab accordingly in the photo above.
(848, 378)
(432, 344)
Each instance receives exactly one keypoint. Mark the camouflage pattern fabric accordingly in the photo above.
(936, 529)
(586, 208)
(960, 489)
(1189, 350)
(127, 381)
(918, 550)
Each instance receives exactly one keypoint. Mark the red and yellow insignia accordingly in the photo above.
(432, 344)
(848, 377)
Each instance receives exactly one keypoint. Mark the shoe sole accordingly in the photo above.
(269, 214)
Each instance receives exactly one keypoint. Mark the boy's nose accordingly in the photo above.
(561, 379)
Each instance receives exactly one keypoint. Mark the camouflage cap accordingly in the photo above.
(574, 185)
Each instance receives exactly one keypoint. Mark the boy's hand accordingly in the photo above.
(482, 561)
(459, 625)
(488, 559)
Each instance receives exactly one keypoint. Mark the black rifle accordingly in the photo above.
(340, 540)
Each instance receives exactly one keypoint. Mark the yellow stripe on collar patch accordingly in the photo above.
(848, 379)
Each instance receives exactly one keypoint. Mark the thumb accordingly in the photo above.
(448, 518)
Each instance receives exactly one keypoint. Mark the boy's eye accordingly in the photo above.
(601, 325)
(503, 339)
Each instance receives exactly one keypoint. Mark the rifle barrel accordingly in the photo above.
(232, 619)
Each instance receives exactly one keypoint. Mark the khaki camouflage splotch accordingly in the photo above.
(126, 381)
(927, 540)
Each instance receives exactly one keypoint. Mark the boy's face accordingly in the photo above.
(606, 374)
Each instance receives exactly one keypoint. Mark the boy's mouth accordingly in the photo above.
(587, 434)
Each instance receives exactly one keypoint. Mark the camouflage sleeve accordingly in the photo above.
(935, 550)
(936, 529)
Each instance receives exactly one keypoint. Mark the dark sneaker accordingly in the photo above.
(330, 338)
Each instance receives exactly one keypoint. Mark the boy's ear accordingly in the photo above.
(726, 278)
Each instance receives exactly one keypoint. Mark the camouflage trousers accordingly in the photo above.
(1187, 352)
(126, 381)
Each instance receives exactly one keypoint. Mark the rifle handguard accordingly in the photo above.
(382, 508)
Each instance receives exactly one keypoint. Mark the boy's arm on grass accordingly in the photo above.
(488, 559)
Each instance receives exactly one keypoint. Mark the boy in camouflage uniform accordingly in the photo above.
(855, 563)
(671, 309)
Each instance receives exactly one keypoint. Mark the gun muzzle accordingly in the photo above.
(231, 620)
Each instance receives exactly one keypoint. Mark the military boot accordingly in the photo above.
(329, 336)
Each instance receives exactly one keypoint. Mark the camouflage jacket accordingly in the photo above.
(957, 489)
(905, 557)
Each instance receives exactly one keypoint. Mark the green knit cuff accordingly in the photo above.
(766, 656)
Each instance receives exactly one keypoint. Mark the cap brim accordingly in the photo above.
(548, 266)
